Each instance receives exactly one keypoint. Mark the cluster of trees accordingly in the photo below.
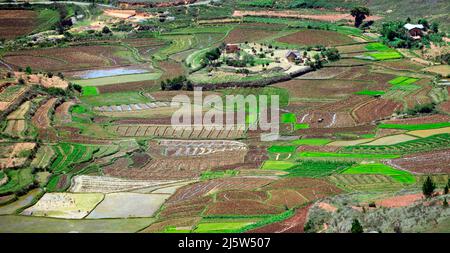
(429, 187)
(177, 83)
(395, 35)
(331, 54)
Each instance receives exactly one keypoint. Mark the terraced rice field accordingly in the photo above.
(381, 169)
(316, 37)
(434, 142)
(365, 183)
(143, 130)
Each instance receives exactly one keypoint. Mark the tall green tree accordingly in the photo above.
(356, 227)
(359, 13)
(428, 187)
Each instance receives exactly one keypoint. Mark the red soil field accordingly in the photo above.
(66, 59)
(316, 37)
(293, 14)
(175, 167)
(294, 224)
(242, 207)
(325, 132)
(332, 89)
(241, 35)
(15, 23)
(375, 109)
(435, 118)
(427, 163)
(242, 195)
(202, 188)
(41, 117)
(188, 208)
(62, 114)
(399, 201)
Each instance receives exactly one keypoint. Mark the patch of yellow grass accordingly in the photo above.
(430, 132)
(390, 140)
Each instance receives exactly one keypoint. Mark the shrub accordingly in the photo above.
(428, 187)
(356, 227)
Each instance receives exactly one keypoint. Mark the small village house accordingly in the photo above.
(232, 48)
(415, 31)
(293, 56)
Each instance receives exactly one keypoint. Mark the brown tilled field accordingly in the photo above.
(316, 37)
(170, 69)
(62, 114)
(15, 23)
(295, 224)
(326, 89)
(426, 163)
(67, 59)
(375, 109)
(174, 167)
(41, 118)
(244, 33)
(435, 118)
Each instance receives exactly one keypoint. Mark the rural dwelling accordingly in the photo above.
(415, 31)
(231, 48)
(293, 56)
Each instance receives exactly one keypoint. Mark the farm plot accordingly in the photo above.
(165, 131)
(27, 224)
(10, 94)
(174, 168)
(316, 37)
(249, 33)
(15, 23)
(16, 122)
(430, 132)
(128, 205)
(65, 205)
(363, 182)
(381, 169)
(116, 98)
(133, 107)
(118, 79)
(43, 157)
(316, 169)
(18, 180)
(69, 154)
(15, 154)
(403, 80)
(41, 118)
(21, 201)
(103, 184)
(349, 156)
(321, 90)
(427, 163)
(434, 142)
(294, 224)
(62, 114)
(390, 140)
(199, 148)
(70, 58)
(375, 109)
(417, 123)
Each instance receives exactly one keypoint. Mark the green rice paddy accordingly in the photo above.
(282, 149)
(403, 80)
(345, 155)
(277, 165)
(372, 93)
(413, 127)
(311, 142)
(382, 169)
